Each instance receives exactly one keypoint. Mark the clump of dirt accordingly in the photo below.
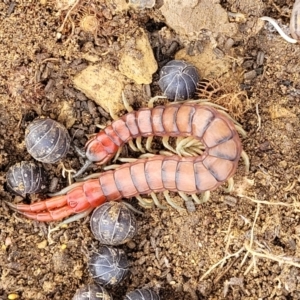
(238, 245)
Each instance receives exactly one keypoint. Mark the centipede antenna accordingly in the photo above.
(83, 168)
(79, 151)
(66, 189)
(246, 160)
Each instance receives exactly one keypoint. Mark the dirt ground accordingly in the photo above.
(242, 245)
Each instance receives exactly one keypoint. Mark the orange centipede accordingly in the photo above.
(186, 175)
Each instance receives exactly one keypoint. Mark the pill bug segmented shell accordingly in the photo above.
(26, 177)
(142, 294)
(92, 292)
(108, 266)
(178, 80)
(47, 140)
(113, 223)
(295, 20)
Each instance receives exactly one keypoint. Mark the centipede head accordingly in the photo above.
(100, 149)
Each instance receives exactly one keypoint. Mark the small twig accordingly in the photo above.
(264, 254)
(252, 233)
(258, 118)
(235, 254)
(266, 202)
(67, 16)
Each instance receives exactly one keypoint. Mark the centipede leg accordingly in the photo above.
(196, 199)
(170, 201)
(204, 199)
(117, 154)
(144, 203)
(165, 141)
(128, 107)
(132, 146)
(246, 160)
(184, 196)
(206, 196)
(149, 143)
(156, 201)
(139, 144)
(230, 185)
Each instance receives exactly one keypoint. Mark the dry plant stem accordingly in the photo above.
(67, 16)
(258, 118)
(295, 204)
(252, 233)
(264, 254)
(235, 254)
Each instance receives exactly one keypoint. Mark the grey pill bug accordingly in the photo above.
(178, 80)
(47, 140)
(142, 294)
(26, 177)
(92, 292)
(108, 266)
(113, 223)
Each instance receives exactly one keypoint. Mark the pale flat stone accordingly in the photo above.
(104, 85)
(137, 61)
(276, 111)
(189, 17)
(208, 64)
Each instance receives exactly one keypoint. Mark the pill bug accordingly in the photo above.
(178, 80)
(113, 223)
(47, 140)
(92, 292)
(142, 294)
(108, 266)
(295, 21)
(26, 177)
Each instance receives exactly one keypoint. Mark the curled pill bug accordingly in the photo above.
(47, 140)
(92, 292)
(26, 178)
(295, 21)
(178, 80)
(113, 223)
(142, 294)
(108, 266)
